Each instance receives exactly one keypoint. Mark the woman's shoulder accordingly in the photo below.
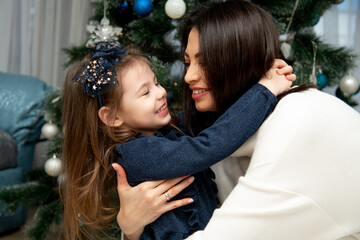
(312, 103)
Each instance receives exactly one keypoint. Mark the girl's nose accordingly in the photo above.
(161, 93)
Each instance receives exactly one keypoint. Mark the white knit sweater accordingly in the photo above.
(303, 181)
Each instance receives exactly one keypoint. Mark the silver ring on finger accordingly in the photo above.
(167, 195)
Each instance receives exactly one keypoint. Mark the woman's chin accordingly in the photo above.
(205, 108)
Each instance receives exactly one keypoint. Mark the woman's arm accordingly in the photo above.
(146, 202)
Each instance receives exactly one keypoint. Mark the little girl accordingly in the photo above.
(115, 110)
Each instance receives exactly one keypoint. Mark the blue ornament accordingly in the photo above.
(357, 91)
(143, 7)
(121, 7)
(124, 13)
(315, 17)
(321, 80)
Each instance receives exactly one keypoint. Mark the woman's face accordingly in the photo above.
(195, 77)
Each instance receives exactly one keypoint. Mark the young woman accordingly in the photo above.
(303, 177)
(122, 116)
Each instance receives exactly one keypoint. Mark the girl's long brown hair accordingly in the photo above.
(239, 42)
(89, 193)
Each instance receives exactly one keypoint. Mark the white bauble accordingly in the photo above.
(286, 50)
(175, 9)
(177, 70)
(349, 84)
(53, 166)
(170, 39)
(50, 130)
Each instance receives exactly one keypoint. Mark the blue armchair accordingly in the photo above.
(21, 102)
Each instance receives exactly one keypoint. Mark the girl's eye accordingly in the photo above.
(157, 84)
(146, 93)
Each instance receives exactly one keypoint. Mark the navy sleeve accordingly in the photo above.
(156, 158)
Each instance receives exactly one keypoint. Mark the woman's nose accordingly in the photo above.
(192, 74)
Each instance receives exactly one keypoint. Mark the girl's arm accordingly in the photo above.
(155, 158)
(131, 222)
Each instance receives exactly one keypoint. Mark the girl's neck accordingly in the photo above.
(147, 133)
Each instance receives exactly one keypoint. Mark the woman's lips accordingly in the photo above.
(198, 93)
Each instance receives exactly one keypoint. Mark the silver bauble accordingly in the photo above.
(175, 9)
(286, 50)
(53, 166)
(50, 130)
(349, 84)
(170, 39)
(177, 70)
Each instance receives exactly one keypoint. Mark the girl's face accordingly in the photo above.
(144, 105)
(195, 77)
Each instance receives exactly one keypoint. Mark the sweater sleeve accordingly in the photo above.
(155, 158)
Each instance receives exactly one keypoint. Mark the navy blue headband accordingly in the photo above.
(98, 75)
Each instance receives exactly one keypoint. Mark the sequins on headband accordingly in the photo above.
(98, 76)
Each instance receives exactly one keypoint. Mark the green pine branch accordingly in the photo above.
(28, 194)
(40, 189)
(334, 62)
(52, 107)
(75, 53)
(45, 216)
(306, 14)
(54, 146)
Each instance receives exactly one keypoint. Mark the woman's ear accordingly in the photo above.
(109, 118)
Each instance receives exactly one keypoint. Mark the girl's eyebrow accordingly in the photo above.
(142, 86)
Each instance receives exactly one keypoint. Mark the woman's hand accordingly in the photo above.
(279, 78)
(146, 202)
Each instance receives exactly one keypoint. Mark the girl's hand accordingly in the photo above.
(146, 202)
(279, 78)
(284, 69)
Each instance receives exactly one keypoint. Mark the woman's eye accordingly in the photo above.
(186, 64)
(157, 84)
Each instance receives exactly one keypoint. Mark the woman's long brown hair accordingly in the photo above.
(90, 205)
(239, 42)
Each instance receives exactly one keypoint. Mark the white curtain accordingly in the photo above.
(340, 26)
(34, 32)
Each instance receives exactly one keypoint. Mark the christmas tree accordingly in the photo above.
(154, 26)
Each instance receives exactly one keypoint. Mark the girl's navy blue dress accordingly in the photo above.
(170, 154)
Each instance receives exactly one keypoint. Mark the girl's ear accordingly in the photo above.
(109, 118)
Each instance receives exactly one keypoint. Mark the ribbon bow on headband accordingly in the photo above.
(99, 76)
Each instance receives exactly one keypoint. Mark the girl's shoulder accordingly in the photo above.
(182, 123)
